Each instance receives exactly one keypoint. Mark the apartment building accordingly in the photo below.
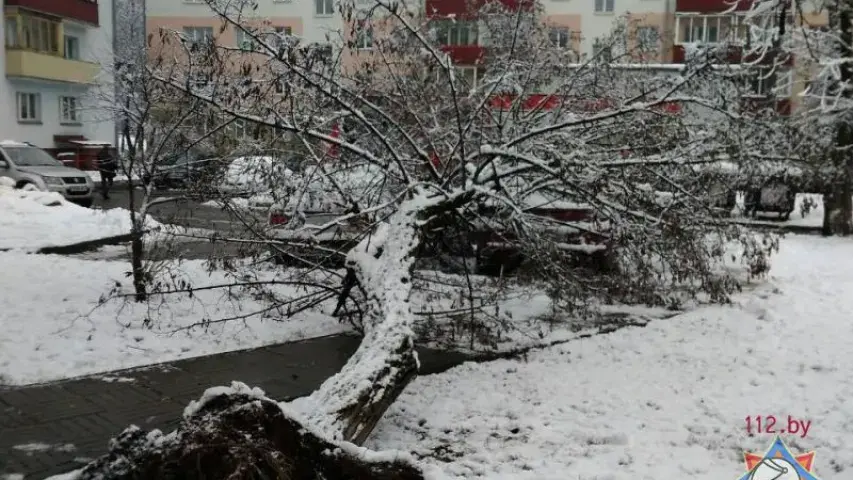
(51, 71)
(655, 31)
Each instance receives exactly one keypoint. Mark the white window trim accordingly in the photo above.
(63, 120)
(37, 118)
(77, 43)
(364, 39)
(657, 40)
(731, 37)
(564, 31)
(604, 4)
(244, 41)
(459, 75)
(324, 14)
(207, 33)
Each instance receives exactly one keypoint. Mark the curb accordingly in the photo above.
(86, 246)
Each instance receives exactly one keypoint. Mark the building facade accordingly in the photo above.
(52, 81)
(652, 31)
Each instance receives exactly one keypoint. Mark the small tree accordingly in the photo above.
(157, 123)
(815, 39)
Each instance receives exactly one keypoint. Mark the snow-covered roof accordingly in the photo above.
(12, 143)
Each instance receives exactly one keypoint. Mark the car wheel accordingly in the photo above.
(84, 203)
(28, 187)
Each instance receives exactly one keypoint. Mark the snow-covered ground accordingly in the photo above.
(33, 220)
(662, 402)
(51, 326)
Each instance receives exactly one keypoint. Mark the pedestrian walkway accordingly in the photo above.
(52, 428)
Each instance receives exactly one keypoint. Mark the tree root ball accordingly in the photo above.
(241, 436)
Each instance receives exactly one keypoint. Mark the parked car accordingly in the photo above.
(31, 168)
(496, 250)
(182, 171)
(573, 227)
(253, 175)
(774, 196)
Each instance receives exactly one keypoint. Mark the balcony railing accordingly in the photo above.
(711, 6)
(465, 54)
(468, 8)
(85, 11)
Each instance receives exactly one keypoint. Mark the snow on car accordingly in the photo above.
(254, 175)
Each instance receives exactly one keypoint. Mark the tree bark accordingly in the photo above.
(839, 219)
(348, 405)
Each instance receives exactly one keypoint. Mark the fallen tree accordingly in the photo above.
(442, 149)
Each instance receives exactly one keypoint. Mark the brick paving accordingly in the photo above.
(52, 428)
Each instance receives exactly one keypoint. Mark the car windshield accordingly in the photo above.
(31, 157)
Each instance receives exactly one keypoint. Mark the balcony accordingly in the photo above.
(85, 11)
(465, 54)
(729, 33)
(41, 66)
(710, 6)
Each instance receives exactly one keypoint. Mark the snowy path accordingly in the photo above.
(663, 402)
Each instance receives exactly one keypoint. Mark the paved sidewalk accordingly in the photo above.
(52, 428)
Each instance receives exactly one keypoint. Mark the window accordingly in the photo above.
(364, 38)
(245, 41)
(36, 33)
(604, 6)
(758, 81)
(11, 26)
(278, 39)
(29, 107)
(72, 48)
(324, 7)
(602, 51)
(708, 29)
(560, 37)
(68, 110)
(648, 39)
(466, 75)
(450, 32)
(198, 35)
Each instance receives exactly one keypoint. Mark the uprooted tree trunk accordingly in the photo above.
(243, 435)
(348, 405)
(239, 434)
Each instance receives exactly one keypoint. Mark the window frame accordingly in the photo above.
(244, 41)
(35, 106)
(604, 6)
(71, 40)
(69, 104)
(451, 32)
(364, 37)
(324, 8)
(191, 33)
(642, 42)
(563, 35)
